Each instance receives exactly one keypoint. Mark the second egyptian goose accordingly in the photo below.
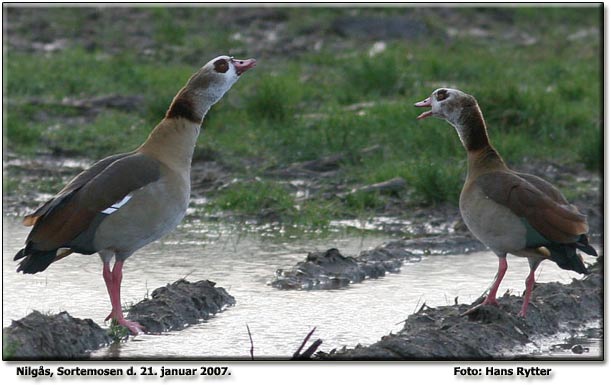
(125, 201)
(510, 212)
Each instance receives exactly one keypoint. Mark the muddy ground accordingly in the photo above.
(440, 333)
(490, 332)
(321, 178)
(52, 336)
(179, 305)
(331, 270)
(61, 336)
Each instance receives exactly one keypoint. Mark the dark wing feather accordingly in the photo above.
(76, 183)
(545, 187)
(538, 202)
(89, 193)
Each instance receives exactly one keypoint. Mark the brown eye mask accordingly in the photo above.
(221, 66)
(441, 95)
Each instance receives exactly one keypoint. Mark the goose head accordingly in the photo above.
(447, 103)
(218, 75)
(461, 111)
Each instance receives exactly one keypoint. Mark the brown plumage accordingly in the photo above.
(544, 208)
(126, 201)
(510, 212)
(72, 211)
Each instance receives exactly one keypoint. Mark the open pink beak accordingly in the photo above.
(425, 103)
(242, 66)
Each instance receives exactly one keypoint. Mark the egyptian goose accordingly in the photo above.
(125, 201)
(510, 212)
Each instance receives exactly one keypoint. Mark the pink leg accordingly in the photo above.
(530, 283)
(491, 297)
(107, 275)
(113, 285)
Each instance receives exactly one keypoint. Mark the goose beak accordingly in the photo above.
(242, 66)
(425, 103)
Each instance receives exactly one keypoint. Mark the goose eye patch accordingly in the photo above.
(441, 95)
(221, 66)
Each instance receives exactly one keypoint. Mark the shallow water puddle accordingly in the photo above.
(243, 263)
(584, 343)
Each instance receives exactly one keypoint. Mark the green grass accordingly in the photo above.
(271, 201)
(117, 332)
(540, 100)
(252, 197)
(382, 75)
(437, 181)
(9, 349)
(276, 98)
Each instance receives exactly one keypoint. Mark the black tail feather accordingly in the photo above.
(35, 260)
(567, 258)
(20, 254)
(584, 245)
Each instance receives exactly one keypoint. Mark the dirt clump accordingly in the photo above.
(57, 336)
(61, 336)
(180, 304)
(331, 270)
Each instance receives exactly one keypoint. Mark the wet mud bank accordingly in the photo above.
(176, 306)
(331, 270)
(490, 332)
(49, 337)
(61, 336)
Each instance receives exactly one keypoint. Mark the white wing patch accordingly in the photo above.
(117, 205)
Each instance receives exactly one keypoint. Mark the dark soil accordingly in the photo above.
(61, 336)
(320, 179)
(51, 337)
(176, 306)
(331, 270)
(442, 334)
